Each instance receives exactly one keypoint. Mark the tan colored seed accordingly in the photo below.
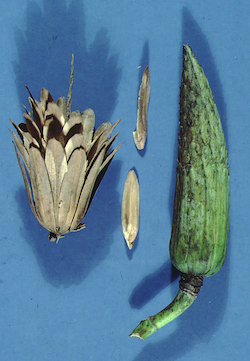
(140, 134)
(130, 209)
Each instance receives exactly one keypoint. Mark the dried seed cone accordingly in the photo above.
(65, 160)
(199, 238)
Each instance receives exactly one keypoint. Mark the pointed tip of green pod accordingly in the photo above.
(191, 67)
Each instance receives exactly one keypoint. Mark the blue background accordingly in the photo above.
(79, 299)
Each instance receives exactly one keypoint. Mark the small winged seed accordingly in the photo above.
(140, 134)
(130, 209)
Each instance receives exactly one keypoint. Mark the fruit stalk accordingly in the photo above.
(189, 286)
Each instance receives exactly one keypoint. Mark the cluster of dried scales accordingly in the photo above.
(65, 160)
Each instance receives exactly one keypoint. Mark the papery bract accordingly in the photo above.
(65, 160)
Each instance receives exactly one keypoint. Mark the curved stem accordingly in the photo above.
(189, 286)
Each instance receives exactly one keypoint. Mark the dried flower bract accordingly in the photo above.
(140, 134)
(130, 209)
(65, 160)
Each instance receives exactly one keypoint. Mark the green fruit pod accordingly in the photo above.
(199, 238)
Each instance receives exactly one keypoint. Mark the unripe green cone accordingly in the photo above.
(199, 238)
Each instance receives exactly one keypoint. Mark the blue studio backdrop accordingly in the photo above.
(79, 299)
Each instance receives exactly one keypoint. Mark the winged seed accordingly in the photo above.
(140, 134)
(130, 209)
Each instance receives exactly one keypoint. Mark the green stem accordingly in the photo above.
(189, 286)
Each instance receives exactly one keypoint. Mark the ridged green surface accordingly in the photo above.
(199, 238)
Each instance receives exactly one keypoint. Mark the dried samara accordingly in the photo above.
(130, 208)
(65, 160)
(140, 134)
